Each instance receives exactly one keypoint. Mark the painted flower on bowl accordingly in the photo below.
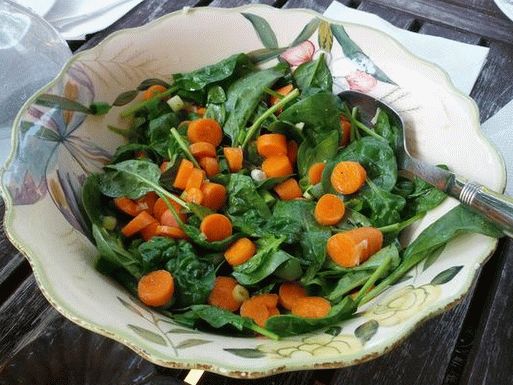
(299, 54)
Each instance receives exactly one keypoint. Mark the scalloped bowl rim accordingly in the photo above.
(217, 366)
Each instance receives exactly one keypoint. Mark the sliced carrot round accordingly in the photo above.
(153, 90)
(271, 145)
(126, 205)
(292, 151)
(222, 294)
(210, 166)
(289, 292)
(345, 127)
(285, 90)
(276, 166)
(348, 177)
(205, 130)
(147, 202)
(183, 174)
(193, 195)
(196, 179)
(240, 251)
(288, 190)
(170, 232)
(258, 312)
(214, 195)
(149, 231)
(268, 299)
(311, 307)
(156, 288)
(329, 210)
(234, 157)
(216, 227)
(202, 149)
(350, 248)
(315, 172)
(160, 207)
(138, 223)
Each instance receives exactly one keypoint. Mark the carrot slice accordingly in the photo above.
(289, 292)
(285, 90)
(170, 232)
(147, 202)
(222, 294)
(240, 251)
(202, 149)
(160, 207)
(276, 166)
(288, 190)
(234, 158)
(205, 130)
(210, 165)
(315, 172)
(216, 227)
(292, 151)
(168, 219)
(345, 127)
(329, 210)
(156, 288)
(183, 174)
(138, 223)
(214, 195)
(273, 311)
(127, 206)
(350, 248)
(149, 231)
(201, 111)
(271, 145)
(258, 312)
(269, 300)
(193, 195)
(348, 177)
(195, 179)
(153, 91)
(311, 307)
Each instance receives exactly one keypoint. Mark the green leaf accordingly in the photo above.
(306, 32)
(48, 135)
(325, 36)
(314, 76)
(243, 97)
(246, 352)
(189, 343)
(446, 275)
(263, 29)
(148, 335)
(366, 331)
(130, 178)
(333, 330)
(61, 102)
(310, 152)
(99, 108)
(125, 98)
(433, 257)
(130, 307)
(385, 207)
(262, 55)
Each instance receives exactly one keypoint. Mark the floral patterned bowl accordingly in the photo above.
(54, 149)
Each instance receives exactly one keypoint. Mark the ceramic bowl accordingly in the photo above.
(54, 150)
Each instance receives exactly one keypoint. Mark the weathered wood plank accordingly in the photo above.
(449, 33)
(294, 378)
(457, 16)
(143, 13)
(412, 362)
(238, 3)
(317, 5)
(494, 88)
(490, 360)
(485, 6)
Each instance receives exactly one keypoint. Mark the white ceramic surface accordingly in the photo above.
(43, 188)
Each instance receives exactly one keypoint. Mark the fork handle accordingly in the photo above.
(496, 207)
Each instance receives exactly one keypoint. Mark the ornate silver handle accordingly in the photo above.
(498, 208)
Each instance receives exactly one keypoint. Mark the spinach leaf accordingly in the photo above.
(374, 155)
(291, 325)
(287, 219)
(233, 66)
(243, 195)
(159, 132)
(423, 198)
(321, 150)
(215, 104)
(130, 178)
(243, 97)
(313, 244)
(194, 278)
(313, 76)
(348, 283)
(320, 113)
(197, 237)
(91, 199)
(385, 207)
(111, 248)
(218, 318)
(352, 219)
(127, 151)
(289, 129)
(459, 220)
(387, 130)
(156, 252)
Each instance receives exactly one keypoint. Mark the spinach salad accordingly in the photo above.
(254, 201)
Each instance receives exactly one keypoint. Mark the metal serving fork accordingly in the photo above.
(498, 208)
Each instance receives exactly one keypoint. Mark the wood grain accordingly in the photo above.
(317, 5)
(450, 33)
(294, 378)
(455, 16)
(399, 19)
(238, 3)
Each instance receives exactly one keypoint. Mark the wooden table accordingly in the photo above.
(471, 344)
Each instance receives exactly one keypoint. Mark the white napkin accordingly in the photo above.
(449, 55)
(76, 18)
